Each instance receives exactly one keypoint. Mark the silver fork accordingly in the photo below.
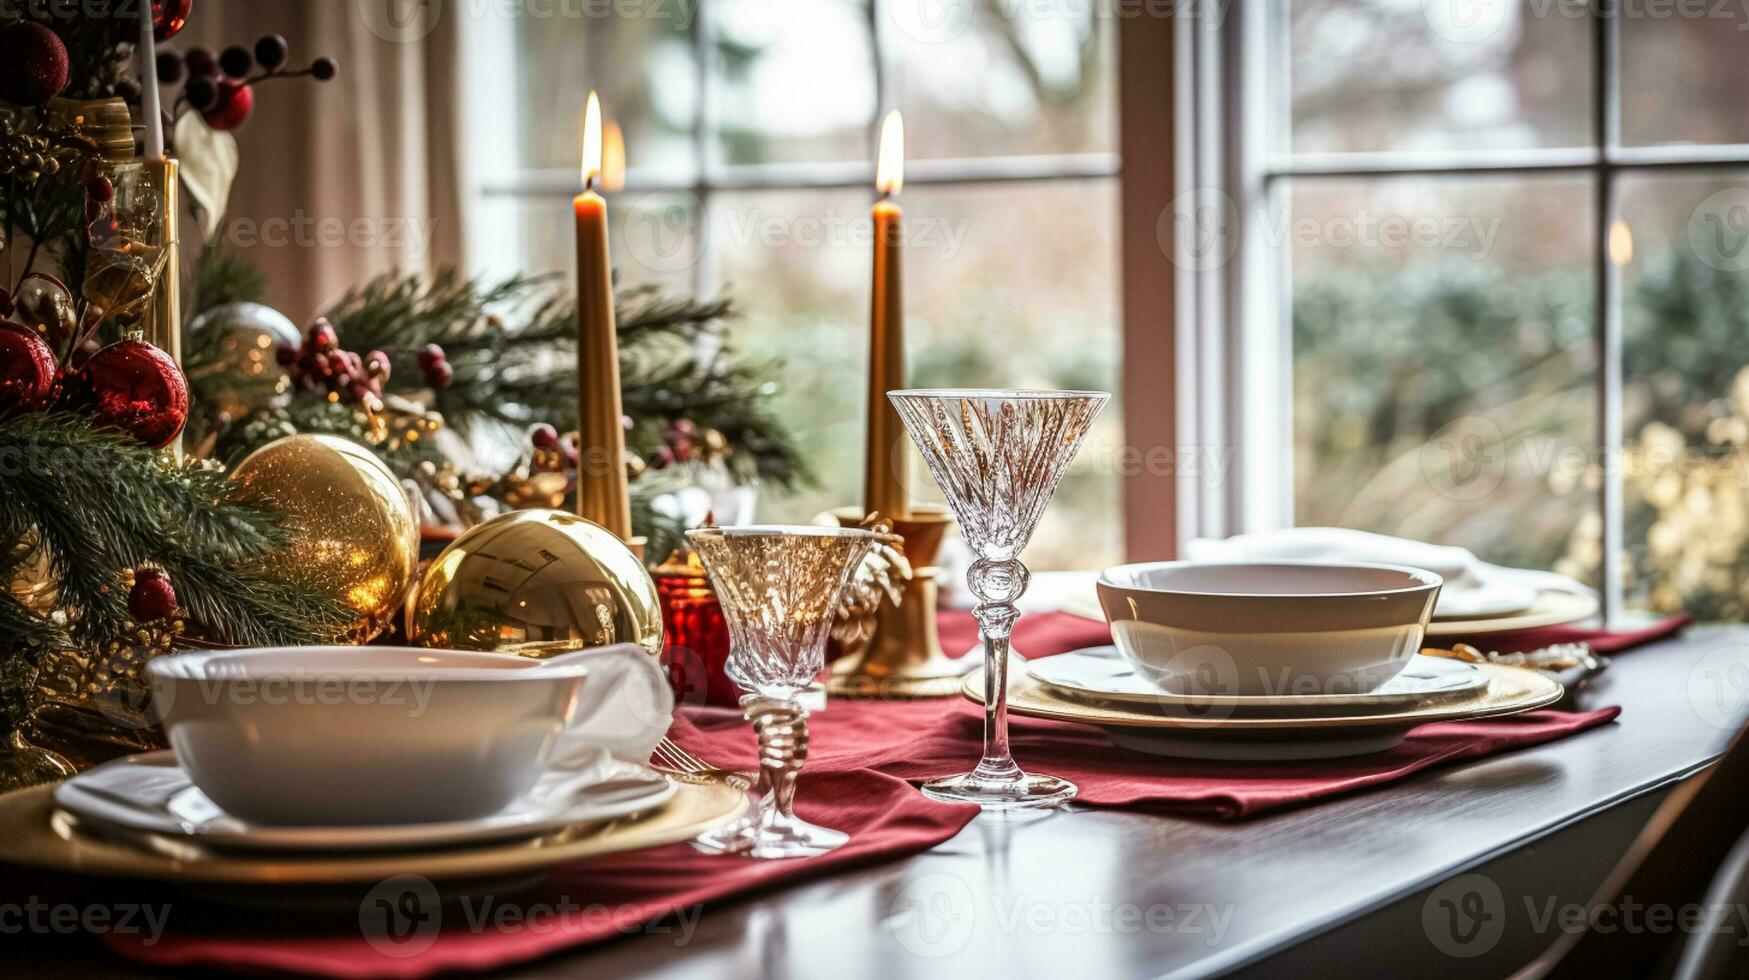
(676, 761)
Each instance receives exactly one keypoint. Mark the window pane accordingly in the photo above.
(1372, 75)
(988, 79)
(1683, 73)
(1685, 320)
(643, 68)
(990, 301)
(1027, 298)
(792, 80)
(653, 237)
(1444, 361)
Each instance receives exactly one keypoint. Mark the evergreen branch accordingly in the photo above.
(196, 526)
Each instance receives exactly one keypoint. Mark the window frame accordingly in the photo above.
(1240, 54)
(493, 54)
(709, 178)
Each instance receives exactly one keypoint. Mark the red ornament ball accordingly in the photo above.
(236, 102)
(27, 369)
(33, 64)
(168, 17)
(134, 387)
(152, 598)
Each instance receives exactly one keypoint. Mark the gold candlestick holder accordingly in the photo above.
(163, 320)
(904, 659)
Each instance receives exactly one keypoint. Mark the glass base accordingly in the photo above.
(1022, 791)
(770, 835)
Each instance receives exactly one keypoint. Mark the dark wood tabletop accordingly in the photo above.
(1361, 886)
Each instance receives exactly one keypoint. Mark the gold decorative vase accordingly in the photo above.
(903, 658)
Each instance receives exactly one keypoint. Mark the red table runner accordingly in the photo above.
(863, 757)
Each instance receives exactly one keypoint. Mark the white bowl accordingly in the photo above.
(381, 735)
(1267, 628)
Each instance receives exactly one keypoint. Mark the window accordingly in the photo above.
(749, 132)
(1497, 253)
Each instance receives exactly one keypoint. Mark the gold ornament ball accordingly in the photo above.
(358, 539)
(536, 582)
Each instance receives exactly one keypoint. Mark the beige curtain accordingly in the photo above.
(355, 177)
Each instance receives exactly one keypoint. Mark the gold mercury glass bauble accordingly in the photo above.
(536, 582)
(358, 540)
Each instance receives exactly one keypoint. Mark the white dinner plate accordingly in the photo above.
(150, 793)
(1104, 673)
(1487, 602)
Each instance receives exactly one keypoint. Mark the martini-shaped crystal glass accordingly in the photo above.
(998, 456)
(779, 587)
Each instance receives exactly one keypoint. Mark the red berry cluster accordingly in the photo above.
(320, 365)
(219, 85)
(679, 444)
(552, 453)
(435, 366)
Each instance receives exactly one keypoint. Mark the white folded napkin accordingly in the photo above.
(1472, 587)
(625, 707)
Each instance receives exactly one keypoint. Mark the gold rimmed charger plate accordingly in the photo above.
(34, 833)
(1551, 609)
(1510, 690)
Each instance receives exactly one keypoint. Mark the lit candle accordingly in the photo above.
(886, 462)
(613, 158)
(150, 107)
(602, 494)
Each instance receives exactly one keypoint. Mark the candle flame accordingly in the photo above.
(1621, 243)
(890, 164)
(613, 157)
(591, 142)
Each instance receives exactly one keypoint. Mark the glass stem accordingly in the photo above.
(995, 626)
(782, 727)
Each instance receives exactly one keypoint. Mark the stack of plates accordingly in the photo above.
(1505, 611)
(141, 817)
(1096, 686)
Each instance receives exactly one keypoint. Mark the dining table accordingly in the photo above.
(1459, 871)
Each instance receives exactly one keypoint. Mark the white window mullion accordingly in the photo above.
(1259, 405)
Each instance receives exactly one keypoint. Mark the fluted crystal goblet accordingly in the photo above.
(779, 587)
(998, 456)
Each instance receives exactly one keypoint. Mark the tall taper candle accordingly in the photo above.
(151, 108)
(602, 494)
(886, 459)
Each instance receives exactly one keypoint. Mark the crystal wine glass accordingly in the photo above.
(998, 456)
(779, 587)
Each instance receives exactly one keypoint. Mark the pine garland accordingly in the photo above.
(513, 347)
(100, 505)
